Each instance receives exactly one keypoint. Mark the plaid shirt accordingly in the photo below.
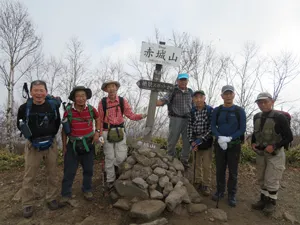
(199, 124)
(181, 103)
(114, 115)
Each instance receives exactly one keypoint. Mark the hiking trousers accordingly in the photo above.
(71, 163)
(177, 127)
(270, 169)
(115, 154)
(230, 157)
(33, 159)
(202, 163)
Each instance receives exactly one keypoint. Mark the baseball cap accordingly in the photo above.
(263, 95)
(199, 92)
(183, 76)
(227, 88)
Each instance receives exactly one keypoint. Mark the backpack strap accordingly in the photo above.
(104, 105)
(28, 108)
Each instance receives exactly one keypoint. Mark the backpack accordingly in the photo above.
(54, 102)
(173, 95)
(288, 118)
(104, 105)
(70, 115)
(237, 110)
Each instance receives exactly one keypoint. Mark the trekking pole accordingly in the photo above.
(25, 91)
(194, 167)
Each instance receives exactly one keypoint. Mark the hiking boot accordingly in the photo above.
(205, 191)
(64, 201)
(28, 212)
(259, 205)
(217, 196)
(88, 196)
(52, 205)
(270, 205)
(185, 163)
(231, 200)
(110, 185)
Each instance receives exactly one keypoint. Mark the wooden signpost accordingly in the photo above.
(159, 54)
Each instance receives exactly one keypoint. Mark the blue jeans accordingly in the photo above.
(71, 162)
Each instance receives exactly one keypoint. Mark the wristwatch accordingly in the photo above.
(97, 130)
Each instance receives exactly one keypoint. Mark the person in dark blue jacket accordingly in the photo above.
(228, 125)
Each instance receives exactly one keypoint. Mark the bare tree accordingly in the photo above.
(76, 68)
(245, 77)
(285, 68)
(18, 42)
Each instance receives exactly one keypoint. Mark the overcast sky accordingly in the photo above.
(116, 28)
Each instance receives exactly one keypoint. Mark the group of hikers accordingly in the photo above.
(201, 127)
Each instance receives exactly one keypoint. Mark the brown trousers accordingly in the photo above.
(202, 166)
(33, 159)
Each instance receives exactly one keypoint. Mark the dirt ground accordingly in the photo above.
(11, 211)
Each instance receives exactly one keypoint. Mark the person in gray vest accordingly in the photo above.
(179, 103)
(271, 133)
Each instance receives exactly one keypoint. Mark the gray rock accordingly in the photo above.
(147, 209)
(157, 162)
(177, 164)
(126, 175)
(113, 195)
(171, 168)
(290, 218)
(140, 182)
(159, 171)
(170, 174)
(162, 181)
(144, 151)
(131, 160)
(122, 204)
(134, 200)
(181, 210)
(128, 189)
(152, 179)
(193, 193)
(74, 203)
(168, 188)
(218, 214)
(175, 179)
(175, 197)
(179, 174)
(152, 155)
(125, 166)
(154, 194)
(140, 171)
(196, 208)
(161, 221)
(165, 160)
(161, 153)
(152, 186)
(142, 159)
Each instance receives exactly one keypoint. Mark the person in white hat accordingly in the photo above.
(112, 110)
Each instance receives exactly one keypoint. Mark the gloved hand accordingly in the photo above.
(198, 141)
(222, 139)
(195, 144)
(101, 139)
(223, 145)
(227, 139)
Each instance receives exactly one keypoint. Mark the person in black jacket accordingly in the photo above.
(40, 115)
(271, 133)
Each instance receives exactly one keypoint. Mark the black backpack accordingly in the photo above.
(237, 110)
